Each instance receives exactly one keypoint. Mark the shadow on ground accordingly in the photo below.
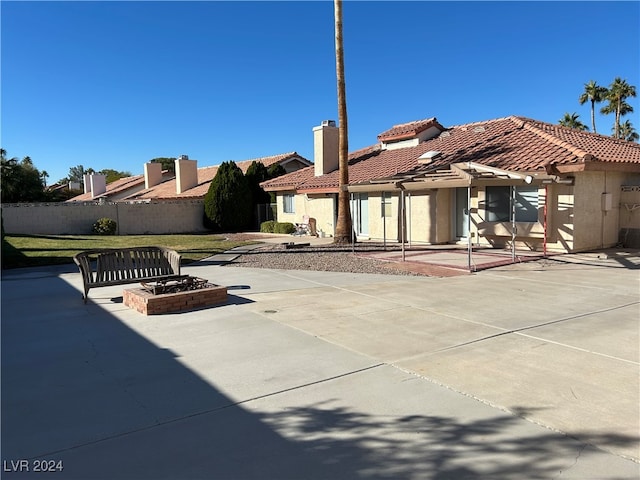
(81, 387)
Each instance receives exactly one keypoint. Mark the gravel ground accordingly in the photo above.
(327, 258)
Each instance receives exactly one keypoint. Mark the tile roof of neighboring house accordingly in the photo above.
(511, 143)
(167, 190)
(408, 130)
(113, 188)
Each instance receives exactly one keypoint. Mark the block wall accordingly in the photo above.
(159, 217)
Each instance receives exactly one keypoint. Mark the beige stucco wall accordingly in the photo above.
(595, 227)
(381, 228)
(424, 223)
(630, 213)
(78, 218)
(630, 206)
(421, 217)
(318, 206)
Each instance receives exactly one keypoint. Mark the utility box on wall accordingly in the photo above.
(607, 202)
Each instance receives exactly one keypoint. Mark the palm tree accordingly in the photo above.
(627, 132)
(343, 223)
(619, 91)
(572, 120)
(595, 94)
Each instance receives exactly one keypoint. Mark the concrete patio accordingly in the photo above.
(524, 371)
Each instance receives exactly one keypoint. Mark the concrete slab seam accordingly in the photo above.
(544, 282)
(206, 412)
(515, 414)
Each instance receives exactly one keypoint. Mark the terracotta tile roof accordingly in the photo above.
(113, 188)
(408, 130)
(601, 148)
(267, 161)
(511, 143)
(167, 190)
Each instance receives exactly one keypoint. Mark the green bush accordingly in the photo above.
(105, 226)
(268, 226)
(284, 227)
(228, 204)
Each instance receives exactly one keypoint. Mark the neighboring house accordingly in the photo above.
(503, 182)
(188, 183)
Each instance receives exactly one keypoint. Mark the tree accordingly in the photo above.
(227, 204)
(256, 174)
(572, 120)
(595, 94)
(168, 163)
(343, 223)
(113, 175)
(77, 173)
(276, 170)
(618, 92)
(627, 132)
(20, 180)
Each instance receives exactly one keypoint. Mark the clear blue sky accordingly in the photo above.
(115, 84)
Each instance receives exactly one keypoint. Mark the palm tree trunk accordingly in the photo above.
(617, 125)
(343, 224)
(593, 115)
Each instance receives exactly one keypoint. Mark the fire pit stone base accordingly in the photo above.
(147, 303)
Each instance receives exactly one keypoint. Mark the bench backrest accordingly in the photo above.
(120, 264)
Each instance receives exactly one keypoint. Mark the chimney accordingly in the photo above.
(98, 184)
(87, 183)
(152, 174)
(186, 174)
(325, 147)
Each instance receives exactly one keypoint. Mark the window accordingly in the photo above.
(498, 204)
(289, 203)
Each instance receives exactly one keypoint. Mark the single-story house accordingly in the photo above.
(187, 183)
(508, 182)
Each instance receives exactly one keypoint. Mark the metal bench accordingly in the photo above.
(119, 266)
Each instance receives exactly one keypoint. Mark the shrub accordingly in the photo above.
(268, 226)
(284, 227)
(227, 204)
(105, 226)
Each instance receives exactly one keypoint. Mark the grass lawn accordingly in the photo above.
(39, 250)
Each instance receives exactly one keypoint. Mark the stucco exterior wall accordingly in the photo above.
(421, 217)
(78, 218)
(630, 213)
(318, 206)
(630, 206)
(560, 215)
(381, 228)
(597, 219)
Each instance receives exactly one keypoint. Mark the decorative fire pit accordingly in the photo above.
(174, 294)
